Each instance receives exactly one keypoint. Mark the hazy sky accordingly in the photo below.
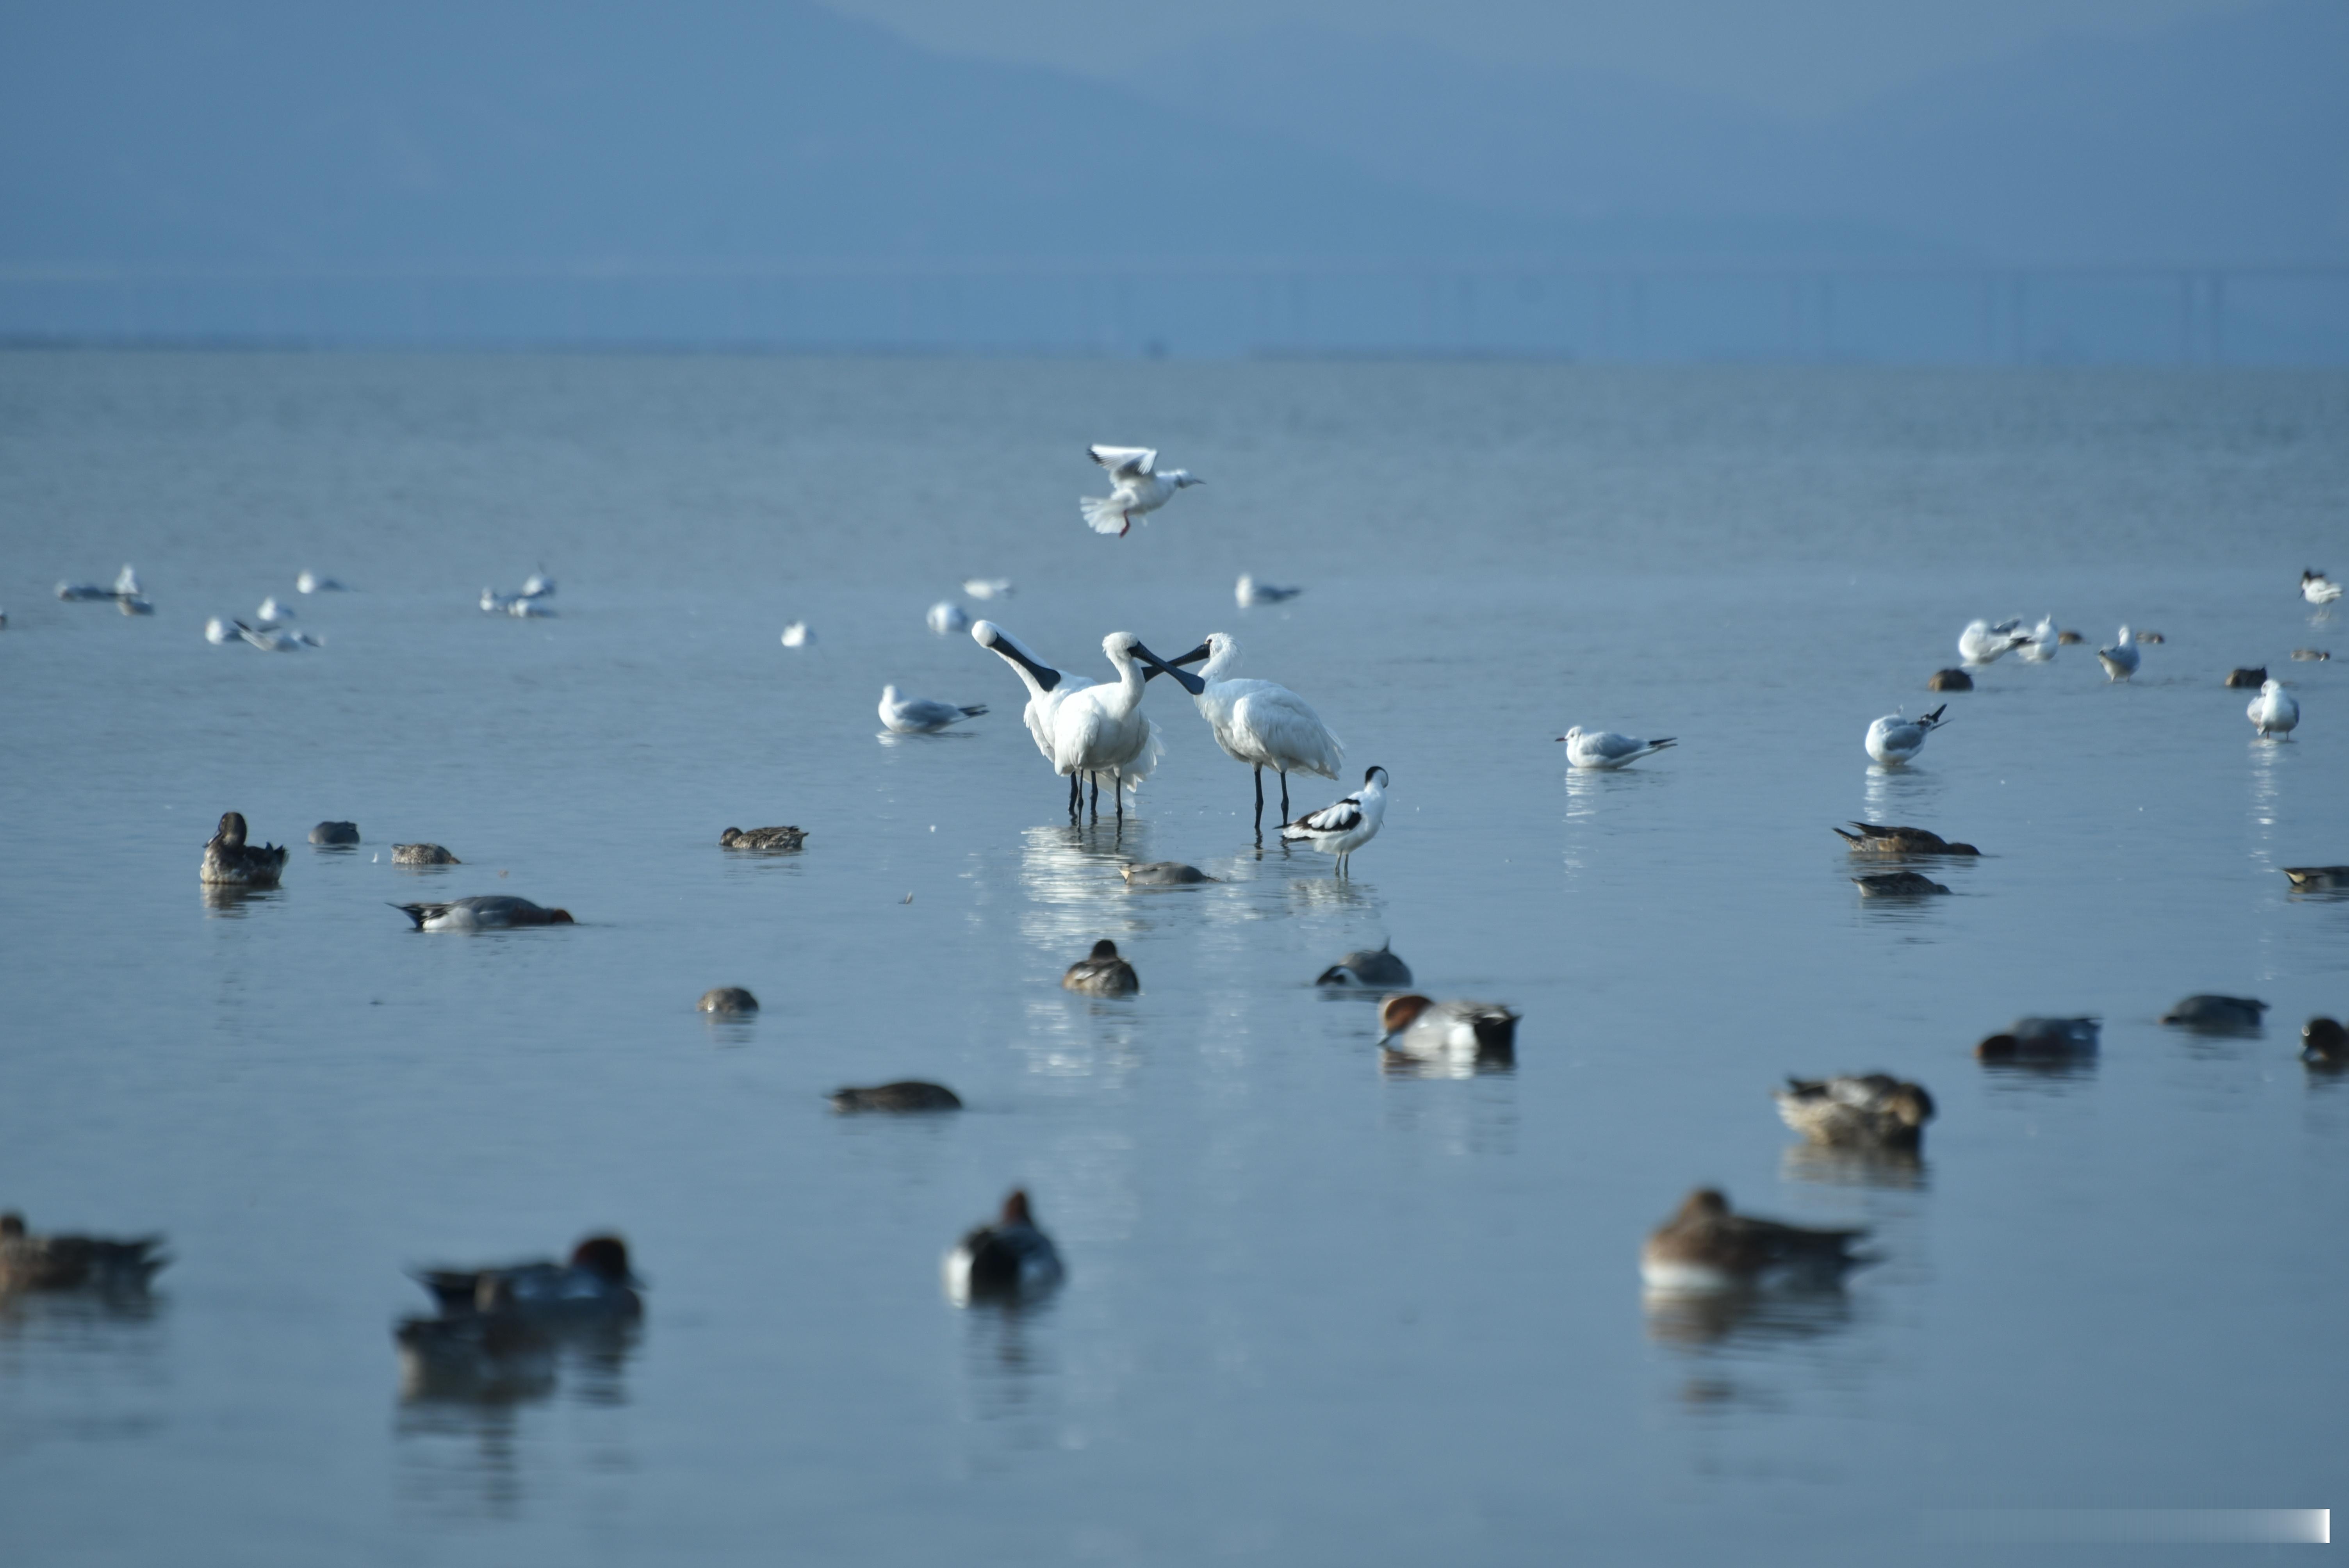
(1803, 56)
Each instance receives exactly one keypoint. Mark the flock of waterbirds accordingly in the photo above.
(493, 1324)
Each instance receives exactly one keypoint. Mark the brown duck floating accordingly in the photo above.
(230, 861)
(1705, 1247)
(422, 855)
(1874, 840)
(1867, 1110)
(909, 1095)
(761, 839)
(726, 1000)
(28, 1261)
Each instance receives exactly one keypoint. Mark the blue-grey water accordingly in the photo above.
(1315, 1312)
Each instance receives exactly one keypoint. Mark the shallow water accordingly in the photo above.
(1317, 1311)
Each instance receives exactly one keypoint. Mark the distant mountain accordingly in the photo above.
(2223, 138)
(308, 133)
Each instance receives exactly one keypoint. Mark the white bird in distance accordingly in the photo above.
(1139, 488)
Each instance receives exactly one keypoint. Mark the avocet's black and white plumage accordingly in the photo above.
(1260, 724)
(1346, 826)
(2120, 660)
(1982, 642)
(1137, 487)
(921, 715)
(1893, 739)
(2314, 586)
(1047, 689)
(1004, 1261)
(1603, 749)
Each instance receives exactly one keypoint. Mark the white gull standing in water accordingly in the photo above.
(1138, 488)
(1341, 828)
(2040, 643)
(1260, 724)
(2274, 711)
(2120, 660)
(1605, 748)
(919, 714)
(1893, 740)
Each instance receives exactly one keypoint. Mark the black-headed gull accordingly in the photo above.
(1982, 642)
(797, 635)
(272, 612)
(1003, 1262)
(1893, 739)
(2120, 660)
(312, 582)
(2039, 644)
(1138, 487)
(538, 585)
(919, 714)
(945, 616)
(2273, 710)
(2314, 586)
(1250, 592)
(276, 640)
(988, 587)
(1603, 749)
(1259, 724)
(1347, 825)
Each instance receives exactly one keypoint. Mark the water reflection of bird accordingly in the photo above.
(1897, 885)
(1004, 1260)
(230, 861)
(1705, 1247)
(35, 1262)
(1866, 1110)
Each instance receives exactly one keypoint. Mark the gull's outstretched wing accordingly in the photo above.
(1126, 461)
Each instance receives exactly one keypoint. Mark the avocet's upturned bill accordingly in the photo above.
(1341, 828)
(1982, 642)
(1249, 593)
(1606, 750)
(919, 714)
(2274, 711)
(1100, 731)
(2120, 660)
(1046, 689)
(1137, 487)
(1893, 739)
(2314, 586)
(1260, 724)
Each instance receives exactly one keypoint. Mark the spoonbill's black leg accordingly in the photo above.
(1096, 797)
(1284, 795)
(1259, 803)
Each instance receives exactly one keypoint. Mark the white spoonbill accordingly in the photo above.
(919, 714)
(2120, 660)
(1981, 643)
(1341, 828)
(1605, 748)
(1893, 740)
(1100, 730)
(1047, 689)
(1261, 723)
(1138, 488)
(2274, 711)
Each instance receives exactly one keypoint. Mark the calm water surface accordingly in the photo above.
(1318, 1312)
